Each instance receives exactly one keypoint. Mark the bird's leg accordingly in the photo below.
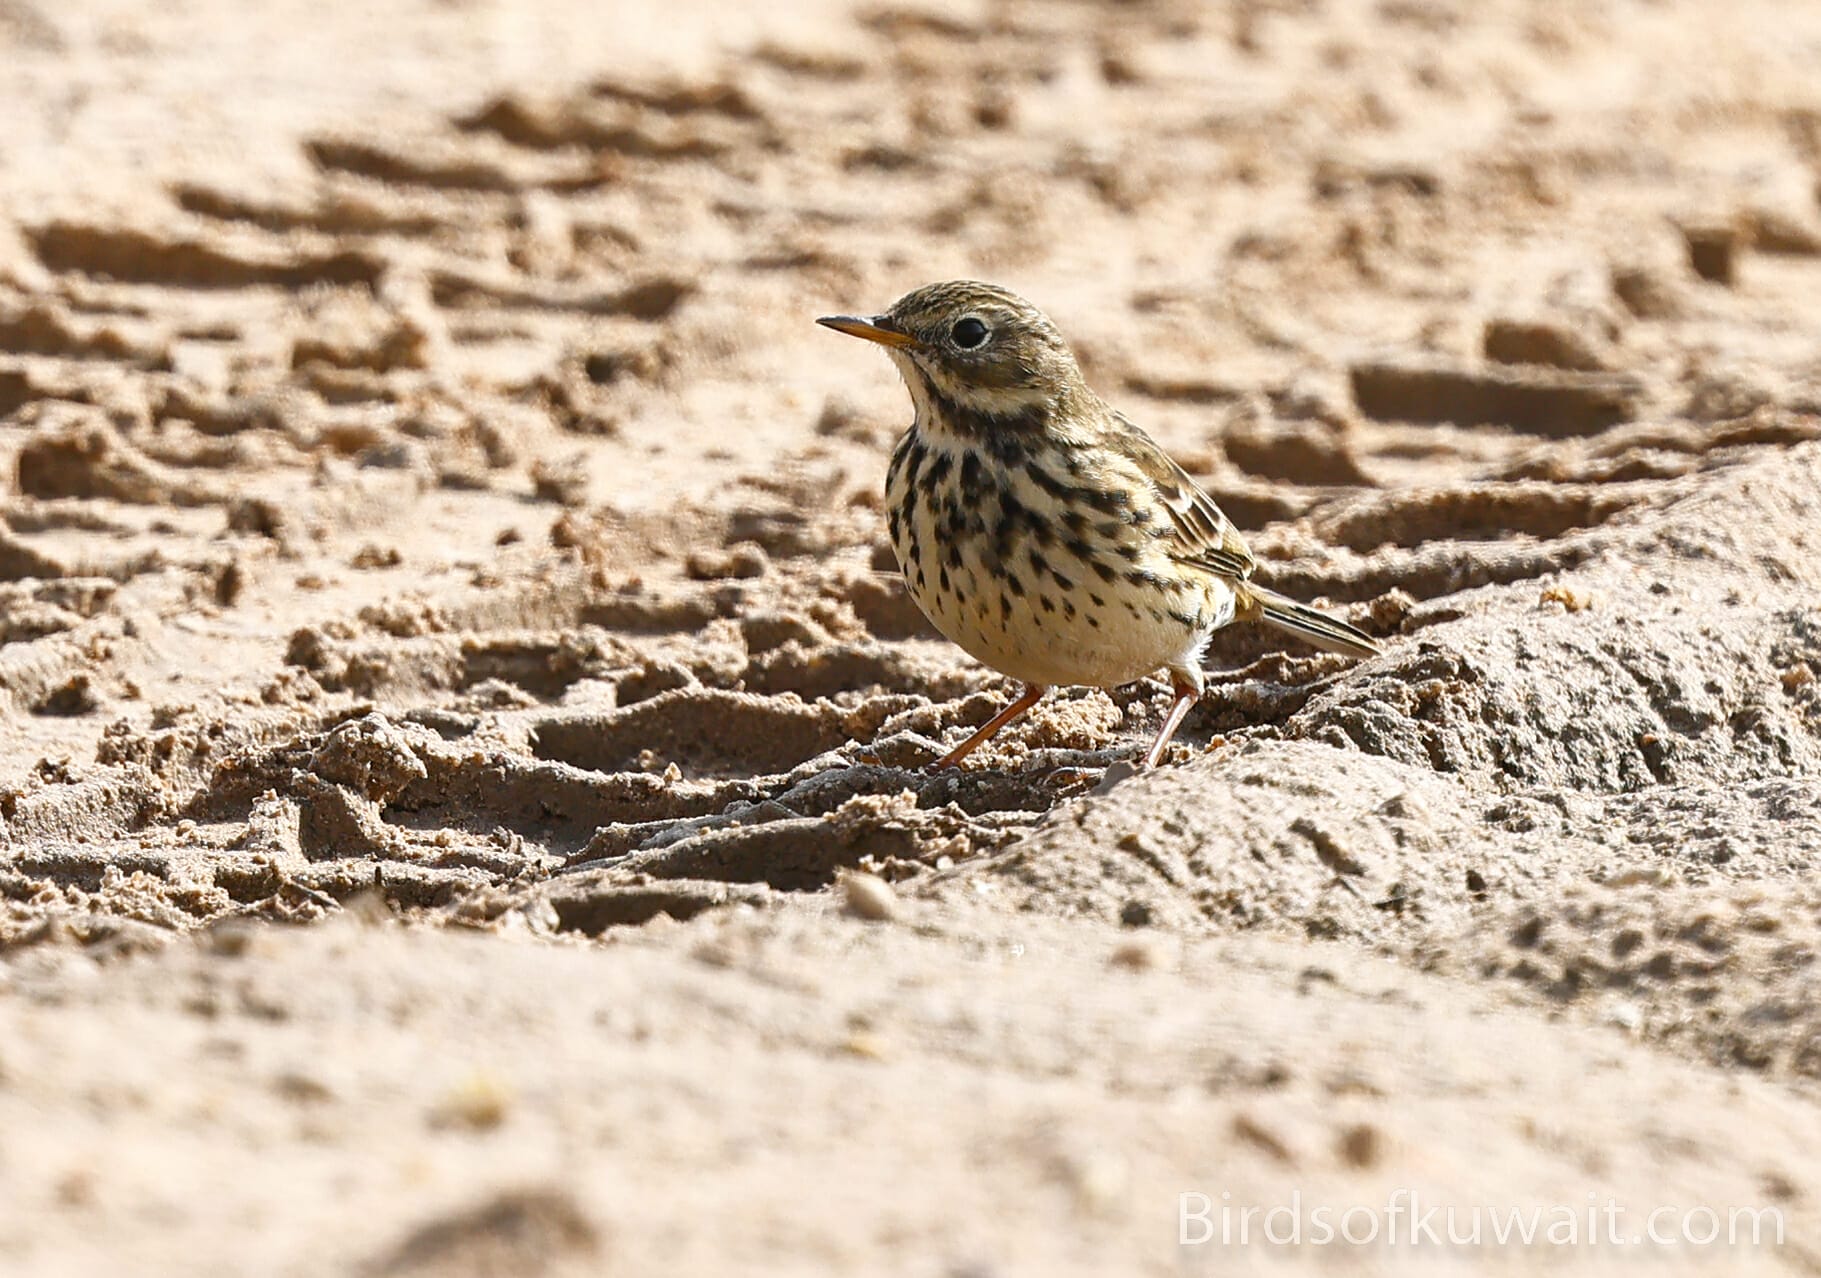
(1031, 695)
(1187, 694)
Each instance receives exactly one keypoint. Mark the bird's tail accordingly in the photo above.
(1327, 633)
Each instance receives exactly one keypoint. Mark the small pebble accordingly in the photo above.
(1136, 956)
(1571, 599)
(478, 1102)
(867, 896)
(864, 1044)
(1359, 1145)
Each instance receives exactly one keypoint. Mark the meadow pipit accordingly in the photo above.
(1042, 531)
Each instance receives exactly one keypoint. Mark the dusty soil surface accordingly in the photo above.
(450, 671)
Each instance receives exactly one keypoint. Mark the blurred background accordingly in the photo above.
(428, 500)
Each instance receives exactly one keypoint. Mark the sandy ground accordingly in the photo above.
(450, 667)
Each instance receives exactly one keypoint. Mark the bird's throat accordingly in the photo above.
(973, 415)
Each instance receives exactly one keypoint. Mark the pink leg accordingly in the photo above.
(1031, 695)
(1186, 696)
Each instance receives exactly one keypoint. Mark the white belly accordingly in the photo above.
(1099, 646)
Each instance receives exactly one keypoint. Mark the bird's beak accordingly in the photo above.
(880, 328)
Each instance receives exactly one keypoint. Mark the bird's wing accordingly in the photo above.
(1204, 534)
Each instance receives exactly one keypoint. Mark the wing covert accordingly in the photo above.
(1204, 534)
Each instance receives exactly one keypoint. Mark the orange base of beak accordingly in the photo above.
(879, 329)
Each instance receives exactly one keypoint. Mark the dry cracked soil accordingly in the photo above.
(463, 805)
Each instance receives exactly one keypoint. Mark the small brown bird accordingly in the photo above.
(1041, 530)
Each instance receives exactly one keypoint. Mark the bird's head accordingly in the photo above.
(972, 354)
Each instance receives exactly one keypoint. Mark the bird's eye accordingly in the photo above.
(968, 333)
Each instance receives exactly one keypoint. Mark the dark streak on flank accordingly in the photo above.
(973, 474)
